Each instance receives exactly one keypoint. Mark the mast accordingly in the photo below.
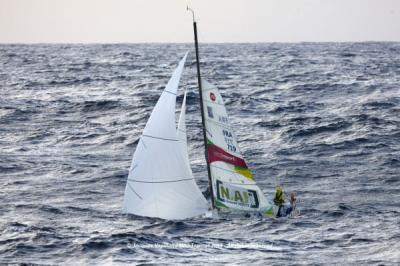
(196, 45)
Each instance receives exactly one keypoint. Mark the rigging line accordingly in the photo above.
(133, 167)
(160, 182)
(144, 145)
(209, 133)
(130, 187)
(154, 137)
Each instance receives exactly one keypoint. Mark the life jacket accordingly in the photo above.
(279, 198)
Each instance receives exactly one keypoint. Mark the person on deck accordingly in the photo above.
(279, 200)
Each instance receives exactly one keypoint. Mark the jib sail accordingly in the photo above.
(160, 182)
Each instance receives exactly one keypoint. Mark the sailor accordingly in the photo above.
(279, 200)
(288, 209)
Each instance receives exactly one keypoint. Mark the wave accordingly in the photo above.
(324, 113)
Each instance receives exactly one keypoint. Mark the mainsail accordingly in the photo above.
(160, 182)
(233, 183)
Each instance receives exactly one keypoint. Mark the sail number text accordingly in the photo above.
(228, 137)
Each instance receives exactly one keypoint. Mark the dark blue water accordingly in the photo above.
(327, 114)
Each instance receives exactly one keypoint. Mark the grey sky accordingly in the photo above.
(113, 21)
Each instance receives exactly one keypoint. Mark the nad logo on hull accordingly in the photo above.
(236, 195)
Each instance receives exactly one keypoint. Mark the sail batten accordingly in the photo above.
(165, 181)
(159, 138)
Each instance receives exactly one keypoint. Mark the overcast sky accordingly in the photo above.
(99, 21)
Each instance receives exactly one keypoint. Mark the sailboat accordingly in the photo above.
(160, 181)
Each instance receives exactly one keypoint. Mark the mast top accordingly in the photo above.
(191, 10)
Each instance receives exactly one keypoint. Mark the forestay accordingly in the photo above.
(160, 182)
(233, 183)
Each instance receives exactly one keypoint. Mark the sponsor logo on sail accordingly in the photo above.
(230, 194)
(216, 153)
(212, 96)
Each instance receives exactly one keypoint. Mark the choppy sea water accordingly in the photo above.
(324, 117)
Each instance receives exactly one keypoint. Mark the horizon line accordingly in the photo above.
(217, 42)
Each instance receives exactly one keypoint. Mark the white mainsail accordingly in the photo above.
(160, 182)
(233, 184)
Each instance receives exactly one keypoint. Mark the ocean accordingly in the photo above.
(324, 118)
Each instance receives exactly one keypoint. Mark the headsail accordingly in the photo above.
(181, 131)
(160, 182)
(233, 183)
